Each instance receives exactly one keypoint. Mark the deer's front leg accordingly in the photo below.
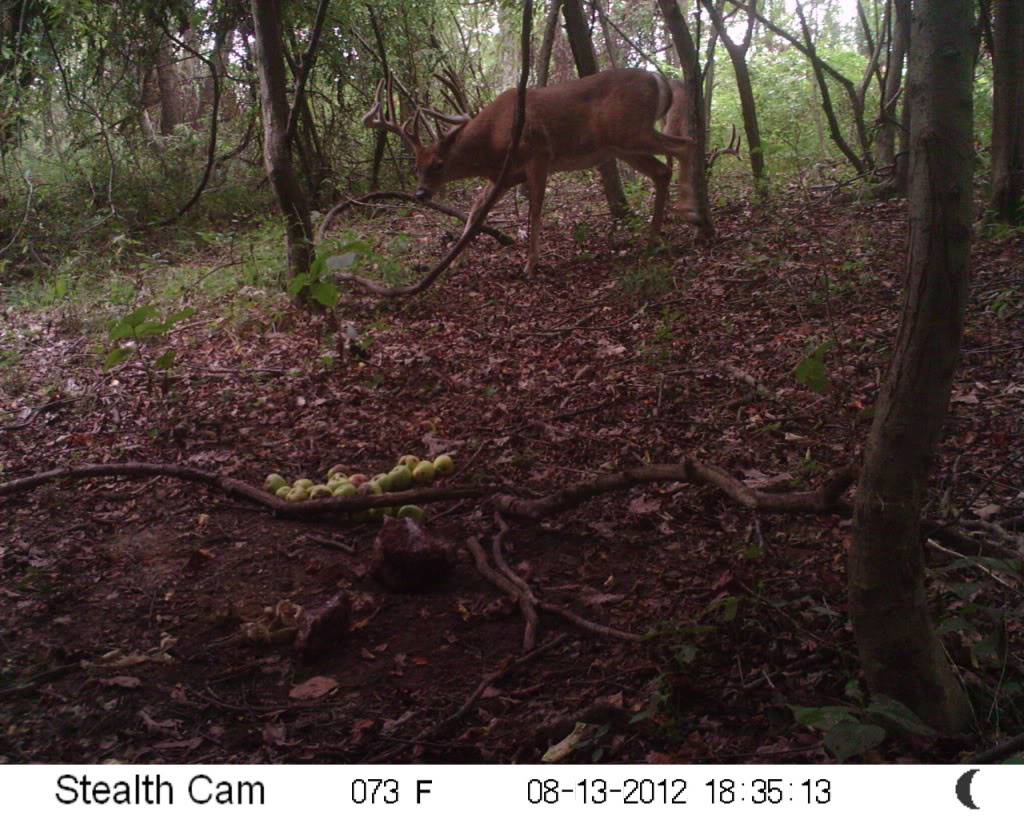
(536, 181)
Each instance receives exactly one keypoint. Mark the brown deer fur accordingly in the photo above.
(569, 126)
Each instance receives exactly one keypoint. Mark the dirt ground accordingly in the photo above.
(121, 601)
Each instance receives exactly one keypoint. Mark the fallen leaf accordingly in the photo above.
(313, 688)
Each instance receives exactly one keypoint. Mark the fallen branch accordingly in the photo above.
(240, 490)
(379, 196)
(820, 501)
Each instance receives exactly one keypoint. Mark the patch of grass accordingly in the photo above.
(648, 279)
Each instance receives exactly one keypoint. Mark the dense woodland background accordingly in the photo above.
(653, 445)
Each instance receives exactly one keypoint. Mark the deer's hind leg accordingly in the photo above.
(683, 150)
(536, 181)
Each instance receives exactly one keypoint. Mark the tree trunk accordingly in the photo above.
(586, 63)
(276, 153)
(690, 61)
(885, 140)
(610, 48)
(172, 108)
(738, 56)
(900, 653)
(749, 109)
(548, 43)
(1008, 111)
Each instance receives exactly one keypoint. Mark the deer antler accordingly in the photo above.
(382, 115)
(733, 148)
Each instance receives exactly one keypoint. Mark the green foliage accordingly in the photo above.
(140, 326)
(811, 371)
(850, 731)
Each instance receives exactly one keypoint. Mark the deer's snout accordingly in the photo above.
(422, 194)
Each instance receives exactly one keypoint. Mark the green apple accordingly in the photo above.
(337, 469)
(410, 461)
(410, 511)
(401, 478)
(282, 492)
(319, 492)
(444, 465)
(345, 490)
(423, 473)
(298, 494)
(384, 481)
(274, 482)
(303, 483)
(370, 488)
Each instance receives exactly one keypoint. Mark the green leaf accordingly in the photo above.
(116, 356)
(847, 739)
(897, 712)
(149, 329)
(822, 718)
(811, 372)
(181, 315)
(166, 361)
(136, 317)
(951, 624)
(297, 283)
(325, 293)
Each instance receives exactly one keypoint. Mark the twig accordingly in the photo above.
(999, 752)
(489, 680)
(503, 238)
(40, 410)
(28, 687)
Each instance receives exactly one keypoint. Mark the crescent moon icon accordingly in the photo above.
(963, 789)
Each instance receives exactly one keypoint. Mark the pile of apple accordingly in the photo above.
(410, 471)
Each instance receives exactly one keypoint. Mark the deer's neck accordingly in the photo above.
(471, 156)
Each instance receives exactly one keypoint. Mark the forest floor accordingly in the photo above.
(121, 601)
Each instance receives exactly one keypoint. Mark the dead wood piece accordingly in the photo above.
(322, 628)
(408, 559)
(821, 501)
(240, 490)
(381, 196)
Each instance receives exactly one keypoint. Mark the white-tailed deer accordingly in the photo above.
(569, 126)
